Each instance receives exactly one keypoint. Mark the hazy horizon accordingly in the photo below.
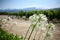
(20, 4)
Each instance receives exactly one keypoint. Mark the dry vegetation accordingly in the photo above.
(20, 26)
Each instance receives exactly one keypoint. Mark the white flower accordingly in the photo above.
(52, 26)
(15, 23)
(33, 18)
(4, 20)
(43, 17)
(24, 17)
(30, 17)
(40, 21)
(38, 24)
(49, 35)
(43, 29)
(37, 17)
(9, 18)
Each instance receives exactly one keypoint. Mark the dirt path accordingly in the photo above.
(57, 32)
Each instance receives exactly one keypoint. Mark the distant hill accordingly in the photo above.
(31, 8)
(56, 8)
(24, 9)
(10, 10)
(17, 10)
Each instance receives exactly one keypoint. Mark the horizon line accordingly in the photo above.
(29, 7)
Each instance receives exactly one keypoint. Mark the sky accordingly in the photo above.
(20, 4)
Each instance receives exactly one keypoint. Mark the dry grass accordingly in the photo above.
(22, 25)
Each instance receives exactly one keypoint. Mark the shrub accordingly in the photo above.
(8, 36)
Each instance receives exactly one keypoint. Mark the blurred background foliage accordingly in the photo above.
(51, 14)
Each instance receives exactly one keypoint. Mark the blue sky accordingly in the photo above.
(20, 4)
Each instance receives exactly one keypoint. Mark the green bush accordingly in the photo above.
(6, 36)
(51, 14)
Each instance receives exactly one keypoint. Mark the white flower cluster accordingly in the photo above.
(40, 21)
(36, 17)
(50, 27)
(4, 22)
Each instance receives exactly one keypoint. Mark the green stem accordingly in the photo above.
(46, 35)
(32, 30)
(31, 33)
(27, 32)
(35, 34)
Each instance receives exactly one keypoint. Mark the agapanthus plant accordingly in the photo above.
(40, 22)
